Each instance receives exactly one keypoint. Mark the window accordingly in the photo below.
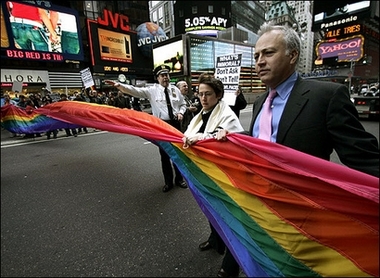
(167, 16)
(154, 3)
(154, 17)
(161, 17)
(91, 9)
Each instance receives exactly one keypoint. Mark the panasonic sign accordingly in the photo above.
(339, 22)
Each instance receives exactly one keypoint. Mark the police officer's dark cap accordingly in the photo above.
(161, 69)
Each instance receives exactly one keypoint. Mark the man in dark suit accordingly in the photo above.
(311, 116)
(314, 117)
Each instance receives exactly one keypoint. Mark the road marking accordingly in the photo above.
(10, 144)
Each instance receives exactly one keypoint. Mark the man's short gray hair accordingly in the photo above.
(291, 38)
(179, 83)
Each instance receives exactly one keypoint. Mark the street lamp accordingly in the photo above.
(350, 75)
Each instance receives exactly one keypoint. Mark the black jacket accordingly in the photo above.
(318, 118)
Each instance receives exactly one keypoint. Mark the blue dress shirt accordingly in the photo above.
(278, 104)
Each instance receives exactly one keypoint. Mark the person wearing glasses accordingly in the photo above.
(167, 104)
(214, 115)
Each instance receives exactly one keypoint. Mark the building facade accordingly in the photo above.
(210, 30)
(296, 14)
(303, 13)
(116, 38)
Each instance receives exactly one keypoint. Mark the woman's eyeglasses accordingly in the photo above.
(205, 94)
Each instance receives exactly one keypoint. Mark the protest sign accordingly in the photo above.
(17, 86)
(87, 79)
(227, 70)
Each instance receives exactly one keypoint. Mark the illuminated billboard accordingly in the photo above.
(43, 32)
(202, 19)
(344, 50)
(114, 46)
(115, 50)
(148, 34)
(338, 13)
(171, 52)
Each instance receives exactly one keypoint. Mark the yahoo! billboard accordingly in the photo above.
(38, 30)
(349, 49)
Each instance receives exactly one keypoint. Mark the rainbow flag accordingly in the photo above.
(18, 120)
(281, 212)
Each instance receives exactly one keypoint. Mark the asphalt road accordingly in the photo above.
(93, 206)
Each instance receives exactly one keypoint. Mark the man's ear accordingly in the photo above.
(293, 56)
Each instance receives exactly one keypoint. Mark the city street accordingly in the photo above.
(92, 205)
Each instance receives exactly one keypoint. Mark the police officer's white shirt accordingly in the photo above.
(156, 96)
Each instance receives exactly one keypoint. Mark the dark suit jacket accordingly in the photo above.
(319, 117)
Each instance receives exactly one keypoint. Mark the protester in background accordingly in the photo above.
(21, 101)
(92, 95)
(190, 108)
(240, 103)
(55, 134)
(7, 101)
(167, 104)
(196, 101)
(310, 116)
(29, 108)
(72, 131)
(35, 99)
(45, 101)
(122, 101)
(78, 97)
(111, 99)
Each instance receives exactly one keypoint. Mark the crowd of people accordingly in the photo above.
(35, 100)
